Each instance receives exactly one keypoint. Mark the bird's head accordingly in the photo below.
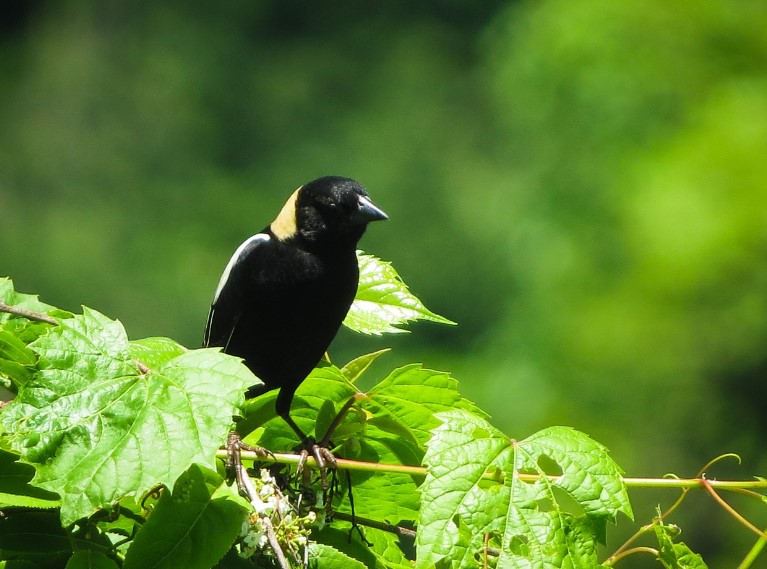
(327, 210)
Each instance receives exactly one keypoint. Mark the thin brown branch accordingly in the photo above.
(274, 543)
(390, 528)
(28, 314)
(397, 530)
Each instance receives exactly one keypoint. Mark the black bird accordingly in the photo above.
(287, 289)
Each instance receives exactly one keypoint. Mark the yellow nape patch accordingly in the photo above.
(284, 225)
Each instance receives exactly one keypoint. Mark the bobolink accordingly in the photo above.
(287, 289)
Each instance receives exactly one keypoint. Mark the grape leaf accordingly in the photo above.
(155, 352)
(355, 368)
(28, 302)
(326, 557)
(379, 549)
(35, 536)
(90, 559)
(675, 555)
(192, 528)
(15, 489)
(409, 397)
(99, 426)
(16, 359)
(474, 488)
(399, 414)
(13, 349)
(25, 329)
(383, 301)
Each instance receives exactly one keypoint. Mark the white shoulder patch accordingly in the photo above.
(235, 258)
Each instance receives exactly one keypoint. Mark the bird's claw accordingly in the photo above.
(234, 448)
(322, 456)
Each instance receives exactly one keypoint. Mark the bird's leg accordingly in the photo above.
(321, 454)
(234, 448)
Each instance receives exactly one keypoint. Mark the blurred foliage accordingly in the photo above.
(581, 185)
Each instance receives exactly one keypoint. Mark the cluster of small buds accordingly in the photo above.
(253, 536)
(292, 531)
(269, 499)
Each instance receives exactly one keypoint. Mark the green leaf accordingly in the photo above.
(232, 560)
(406, 401)
(358, 366)
(383, 301)
(675, 555)
(192, 528)
(26, 330)
(34, 536)
(474, 488)
(13, 349)
(16, 359)
(381, 549)
(89, 559)
(326, 557)
(20, 300)
(155, 352)
(19, 564)
(98, 428)
(17, 373)
(589, 475)
(15, 489)
(399, 416)
(120, 525)
(392, 497)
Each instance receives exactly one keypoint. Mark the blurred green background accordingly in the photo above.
(582, 185)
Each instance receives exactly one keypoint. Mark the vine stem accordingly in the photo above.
(753, 553)
(730, 510)
(684, 484)
(420, 471)
(700, 482)
(625, 553)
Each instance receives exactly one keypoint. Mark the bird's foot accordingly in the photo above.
(234, 448)
(322, 456)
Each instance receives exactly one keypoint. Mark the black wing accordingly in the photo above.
(228, 302)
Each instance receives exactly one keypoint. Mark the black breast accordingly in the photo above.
(292, 313)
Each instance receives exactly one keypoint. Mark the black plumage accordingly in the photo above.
(287, 289)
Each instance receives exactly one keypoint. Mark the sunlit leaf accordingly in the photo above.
(675, 555)
(323, 556)
(191, 528)
(383, 303)
(99, 426)
(524, 520)
(359, 365)
(15, 490)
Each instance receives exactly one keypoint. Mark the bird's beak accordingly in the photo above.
(367, 211)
